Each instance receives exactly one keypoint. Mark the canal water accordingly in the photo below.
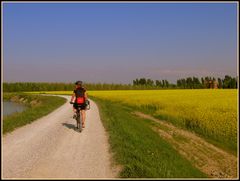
(12, 107)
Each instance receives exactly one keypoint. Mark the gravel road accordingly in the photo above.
(51, 147)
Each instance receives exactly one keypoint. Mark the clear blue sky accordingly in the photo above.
(118, 42)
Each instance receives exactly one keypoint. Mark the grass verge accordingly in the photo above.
(138, 149)
(37, 106)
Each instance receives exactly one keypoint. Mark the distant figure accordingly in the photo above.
(80, 95)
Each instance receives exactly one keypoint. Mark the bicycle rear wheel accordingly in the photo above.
(79, 122)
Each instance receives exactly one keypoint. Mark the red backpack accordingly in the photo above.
(80, 98)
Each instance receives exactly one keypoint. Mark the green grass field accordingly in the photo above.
(138, 148)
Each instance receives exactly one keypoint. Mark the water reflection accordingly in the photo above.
(12, 107)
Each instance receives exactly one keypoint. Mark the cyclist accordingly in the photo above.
(80, 95)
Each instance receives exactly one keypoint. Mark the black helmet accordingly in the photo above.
(78, 82)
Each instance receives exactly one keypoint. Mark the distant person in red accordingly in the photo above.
(79, 99)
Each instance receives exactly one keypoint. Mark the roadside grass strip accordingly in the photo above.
(138, 149)
(211, 160)
(37, 106)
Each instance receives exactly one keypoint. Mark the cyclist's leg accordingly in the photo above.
(83, 114)
(74, 109)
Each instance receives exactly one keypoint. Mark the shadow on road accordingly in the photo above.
(70, 126)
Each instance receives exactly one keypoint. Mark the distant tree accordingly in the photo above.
(166, 83)
(179, 83)
(206, 82)
(158, 83)
(150, 82)
(233, 83)
(142, 81)
(163, 83)
(184, 83)
(189, 82)
(220, 85)
(196, 83)
(227, 82)
(136, 82)
(202, 81)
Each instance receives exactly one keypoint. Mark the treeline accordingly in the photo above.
(48, 86)
(151, 83)
(227, 82)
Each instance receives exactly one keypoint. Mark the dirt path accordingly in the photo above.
(51, 148)
(205, 156)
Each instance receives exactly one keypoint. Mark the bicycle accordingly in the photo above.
(78, 115)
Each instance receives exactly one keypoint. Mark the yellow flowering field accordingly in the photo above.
(210, 112)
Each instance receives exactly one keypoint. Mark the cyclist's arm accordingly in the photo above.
(72, 97)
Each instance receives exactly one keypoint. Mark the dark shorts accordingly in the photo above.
(82, 106)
